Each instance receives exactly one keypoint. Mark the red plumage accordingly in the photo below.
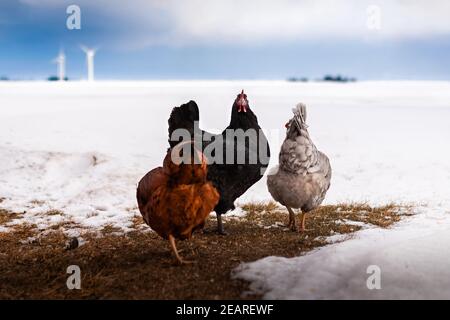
(176, 199)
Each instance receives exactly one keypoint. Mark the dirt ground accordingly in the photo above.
(140, 265)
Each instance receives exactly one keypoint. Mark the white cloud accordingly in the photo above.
(266, 21)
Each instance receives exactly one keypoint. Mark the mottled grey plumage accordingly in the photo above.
(303, 175)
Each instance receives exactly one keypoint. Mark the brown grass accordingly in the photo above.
(7, 216)
(139, 264)
(54, 213)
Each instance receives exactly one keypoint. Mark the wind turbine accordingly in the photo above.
(90, 54)
(60, 60)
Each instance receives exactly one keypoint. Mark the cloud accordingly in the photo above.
(237, 22)
(267, 20)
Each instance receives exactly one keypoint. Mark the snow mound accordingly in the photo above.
(90, 189)
(412, 260)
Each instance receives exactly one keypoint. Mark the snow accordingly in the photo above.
(81, 149)
(413, 259)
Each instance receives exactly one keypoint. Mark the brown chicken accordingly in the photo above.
(176, 199)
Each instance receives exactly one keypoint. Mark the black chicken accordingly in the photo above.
(231, 178)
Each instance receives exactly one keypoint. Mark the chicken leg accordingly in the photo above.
(175, 251)
(302, 223)
(220, 229)
(291, 223)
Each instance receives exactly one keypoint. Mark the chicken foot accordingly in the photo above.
(175, 251)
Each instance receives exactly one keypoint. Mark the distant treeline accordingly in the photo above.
(55, 78)
(51, 78)
(331, 78)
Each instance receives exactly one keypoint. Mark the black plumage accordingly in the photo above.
(231, 179)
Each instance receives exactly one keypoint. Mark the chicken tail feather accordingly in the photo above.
(183, 117)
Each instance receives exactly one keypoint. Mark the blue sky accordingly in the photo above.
(215, 39)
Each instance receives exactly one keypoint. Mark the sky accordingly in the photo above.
(229, 39)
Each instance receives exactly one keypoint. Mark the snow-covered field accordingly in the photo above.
(81, 149)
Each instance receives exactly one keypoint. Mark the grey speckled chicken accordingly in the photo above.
(303, 175)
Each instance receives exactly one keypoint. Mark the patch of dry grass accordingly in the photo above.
(37, 202)
(65, 225)
(329, 220)
(54, 213)
(258, 207)
(140, 265)
(110, 229)
(7, 216)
